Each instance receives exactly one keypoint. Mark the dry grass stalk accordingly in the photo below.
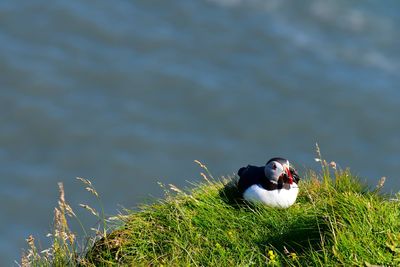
(25, 262)
(200, 164)
(85, 181)
(63, 239)
(204, 177)
(381, 183)
(333, 165)
(64, 249)
(29, 258)
(92, 190)
(89, 187)
(204, 167)
(174, 188)
(63, 205)
(92, 210)
(318, 152)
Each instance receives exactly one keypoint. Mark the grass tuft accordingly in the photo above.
(336, 220)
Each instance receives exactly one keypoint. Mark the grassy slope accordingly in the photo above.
(334, 222)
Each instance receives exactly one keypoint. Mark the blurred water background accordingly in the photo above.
(129, 93)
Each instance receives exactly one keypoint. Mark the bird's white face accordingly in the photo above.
(275, 170)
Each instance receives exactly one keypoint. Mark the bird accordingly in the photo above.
(275, 184)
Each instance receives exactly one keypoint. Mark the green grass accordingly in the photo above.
(335, 221)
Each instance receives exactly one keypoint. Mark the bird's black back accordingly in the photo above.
(249, 176)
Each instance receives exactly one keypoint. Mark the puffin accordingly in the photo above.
(275, 184)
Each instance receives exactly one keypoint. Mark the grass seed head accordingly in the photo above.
(200, 164)
(92, 210)
(174, 188)
(381, 183)
(85, 181)
(91, 190)
(333, 165)
(204, 176)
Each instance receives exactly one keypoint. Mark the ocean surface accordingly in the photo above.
(129, 93)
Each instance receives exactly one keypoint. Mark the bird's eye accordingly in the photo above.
(273, 166)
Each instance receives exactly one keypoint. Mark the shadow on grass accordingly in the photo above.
(308, 235)
(231, 195)
(295, 239)
(300, 235)
(106, 250)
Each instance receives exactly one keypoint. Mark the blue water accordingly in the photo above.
(129, 93)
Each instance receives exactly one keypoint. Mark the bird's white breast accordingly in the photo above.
(279, 198)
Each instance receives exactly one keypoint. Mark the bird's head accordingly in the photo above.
(279, 170)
